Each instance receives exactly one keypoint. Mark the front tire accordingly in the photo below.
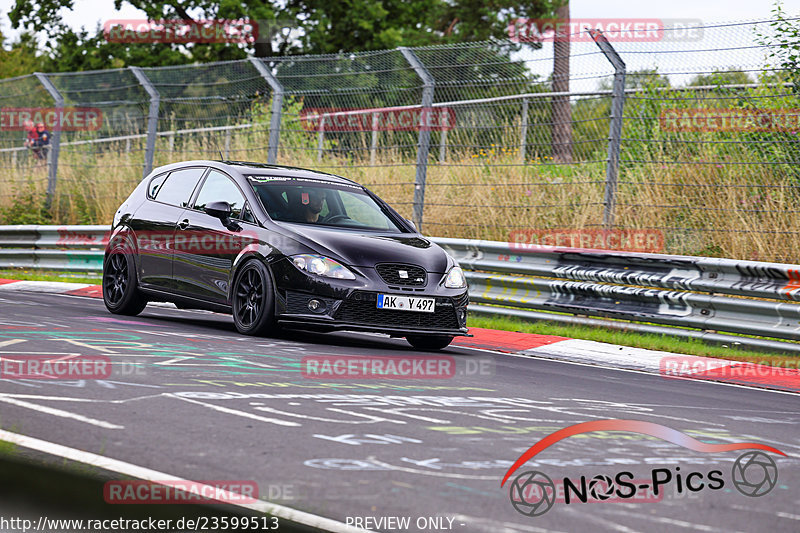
(253, 301)
(429, 343)
(120, 292)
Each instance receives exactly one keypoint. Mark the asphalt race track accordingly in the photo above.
(190, 397)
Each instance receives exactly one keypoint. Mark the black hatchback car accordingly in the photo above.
(280, 246)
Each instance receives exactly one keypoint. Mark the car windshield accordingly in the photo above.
(323, 203)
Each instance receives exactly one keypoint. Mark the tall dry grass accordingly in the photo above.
(736, 211)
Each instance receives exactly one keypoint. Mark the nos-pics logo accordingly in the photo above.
(533, 493)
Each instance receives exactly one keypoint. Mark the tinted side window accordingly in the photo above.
(177, 190)
(155, 185)
(220, 188)
(247, 215)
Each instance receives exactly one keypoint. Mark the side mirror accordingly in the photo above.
(411, 223)
(220, 210)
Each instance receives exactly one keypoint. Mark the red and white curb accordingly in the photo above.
(53, 287)
(669, 365)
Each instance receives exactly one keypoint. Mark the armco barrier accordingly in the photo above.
(679, 295)
(72, 248)
(570, 285)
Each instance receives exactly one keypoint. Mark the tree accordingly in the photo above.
(331, 27)
(68, 51)
(783, 45)
(721, 77)
(321, 26)
(43, 16)
(20, 57)
(562, 111)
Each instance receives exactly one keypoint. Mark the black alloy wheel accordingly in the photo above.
(120, 293)
(253, 301)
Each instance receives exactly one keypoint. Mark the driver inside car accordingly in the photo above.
(311, 201)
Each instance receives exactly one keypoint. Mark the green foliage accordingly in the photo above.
(330, 27)
(19, 57)
(27, 208)
(320, 26)
(68, 50)
(785, 56)
(721, 77)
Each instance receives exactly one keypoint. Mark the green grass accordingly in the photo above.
(7, 449)
(49, 275)
(634, 339)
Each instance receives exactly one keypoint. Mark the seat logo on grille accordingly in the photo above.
(403, 274)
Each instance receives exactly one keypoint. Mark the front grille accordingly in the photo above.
(361, 308)
(391, 274)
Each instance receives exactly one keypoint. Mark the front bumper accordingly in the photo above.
(352, 304)
(359, 312)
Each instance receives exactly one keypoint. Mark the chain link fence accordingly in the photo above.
(695, 147)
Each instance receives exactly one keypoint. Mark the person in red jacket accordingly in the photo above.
(30, 140)
(42, 141)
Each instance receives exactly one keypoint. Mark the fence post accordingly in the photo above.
(445, 127)
(277, 108)
(442, 145)
(424, 142)
(373, 147)
(227, 142)
(523, 132)
(152, 119)
(321, 136)
(615, 126)
(55, 146)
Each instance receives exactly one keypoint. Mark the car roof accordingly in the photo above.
(249, 168)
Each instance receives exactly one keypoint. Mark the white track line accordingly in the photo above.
(128, 469)
(60, 412)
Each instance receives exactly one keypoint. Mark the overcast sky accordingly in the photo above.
(88, 13)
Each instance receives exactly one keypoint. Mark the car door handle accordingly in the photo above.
(183, 224)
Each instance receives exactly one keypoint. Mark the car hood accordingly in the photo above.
(368, 249)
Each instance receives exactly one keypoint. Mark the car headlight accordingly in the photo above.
(322, 266)
(455, 279)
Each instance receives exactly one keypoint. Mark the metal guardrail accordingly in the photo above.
(681, 296)
(69, 248)
(569, 285)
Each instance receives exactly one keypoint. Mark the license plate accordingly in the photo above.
(406, 303)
